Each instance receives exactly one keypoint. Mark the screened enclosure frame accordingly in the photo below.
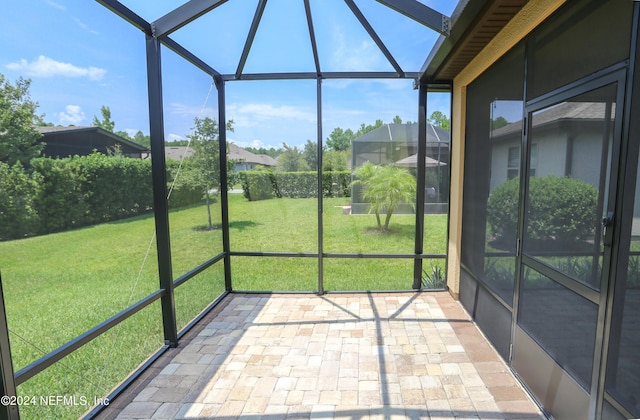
(157, 34)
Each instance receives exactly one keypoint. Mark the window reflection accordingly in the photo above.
(506, 139)
(567, 192)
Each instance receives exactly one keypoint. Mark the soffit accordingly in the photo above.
(475, 24)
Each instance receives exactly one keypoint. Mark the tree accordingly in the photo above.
(438, 119)
(19, 140)
(310, 154)
(499, 122)
(365, 128)
(141, 139)
(206, 156)
(340, 139)
(385, 187)
(106, 121)
(291, 160)
(334, 160)
(273, 152)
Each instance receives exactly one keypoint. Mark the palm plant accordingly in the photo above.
(385, 187)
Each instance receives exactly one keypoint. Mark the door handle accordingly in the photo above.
(607, 233)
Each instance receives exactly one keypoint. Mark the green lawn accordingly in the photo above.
(60, 285)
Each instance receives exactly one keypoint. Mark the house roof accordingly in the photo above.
(406, 133)
(236, 153)
(239, 154)
(177, 152)
(58, 130)
(564, 112)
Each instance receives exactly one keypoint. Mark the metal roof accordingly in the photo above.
(472, 25)
(405, 133)
(193, 16)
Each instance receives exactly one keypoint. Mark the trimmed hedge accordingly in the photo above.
(559, 209)
(264, 185)
(60, 194)
(18, 215)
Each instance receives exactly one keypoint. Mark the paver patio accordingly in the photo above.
(355, 356)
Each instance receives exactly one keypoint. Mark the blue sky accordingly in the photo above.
(80, 56)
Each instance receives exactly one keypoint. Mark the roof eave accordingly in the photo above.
(474, 24)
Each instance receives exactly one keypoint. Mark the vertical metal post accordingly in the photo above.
(159, 179)
(7, 384)
(616, 296)
(420, 175)
(320, 204)
(224, 182)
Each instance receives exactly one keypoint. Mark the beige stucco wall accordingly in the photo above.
(529, 17)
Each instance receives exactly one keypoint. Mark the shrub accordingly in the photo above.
(265, 184)
(296, 184)
(257, 185)
(560, 209)
(60, 201)
(18, 216)
(336, 184)
(187, 184)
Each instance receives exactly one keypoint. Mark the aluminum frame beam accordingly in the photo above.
(326, 75)
(183, 15)
(250, 37)
(372, 33)
(7, 378)
(190, 57)
(159, 181)
(127, 14)
(420, 13)
(420, 175)
(312, 36)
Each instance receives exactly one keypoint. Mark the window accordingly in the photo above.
(513, 163)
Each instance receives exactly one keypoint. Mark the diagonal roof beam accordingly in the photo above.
(124, 12)
(372, 33)
(420, 13)
(312, 35)
(190, 57)
(250, 37)
(183, 15)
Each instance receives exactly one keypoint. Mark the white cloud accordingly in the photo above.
(248, 115)
(86, 27)
(72, 115)
(256, 144)
(55, 5)
(48, 67)
(174, 137)
(352, 55)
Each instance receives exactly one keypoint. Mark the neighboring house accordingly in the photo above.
(178, 152)
(246, 161)
(243, 159)
(393, 142)
(568, 143)
(63, 142)
(398, 144)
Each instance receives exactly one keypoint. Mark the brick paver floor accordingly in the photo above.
(356, 356)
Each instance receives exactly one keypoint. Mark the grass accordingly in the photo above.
(58, 286)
